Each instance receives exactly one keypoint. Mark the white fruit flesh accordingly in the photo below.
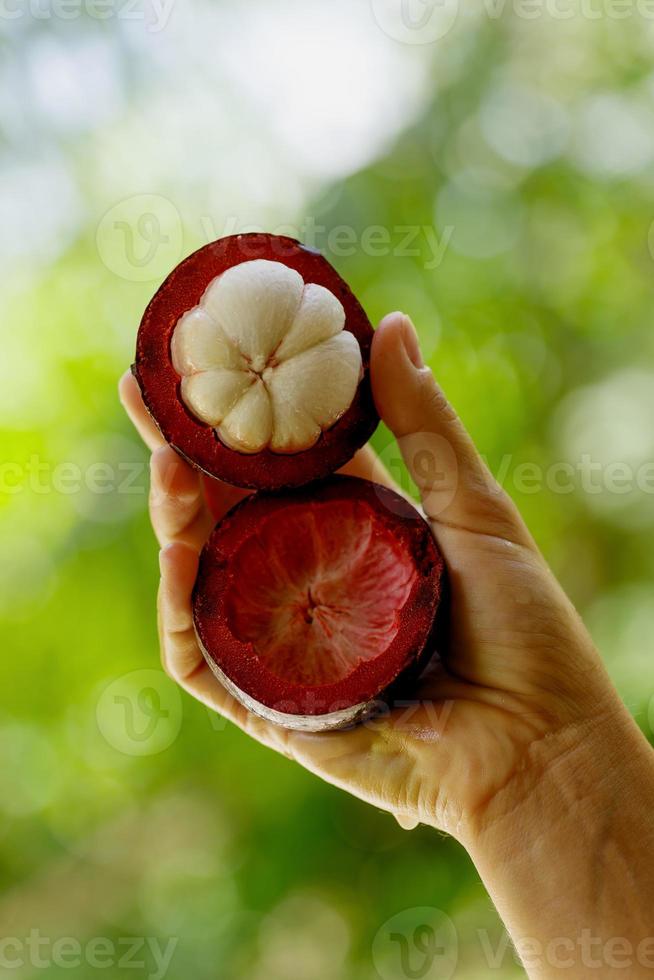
(264, 358)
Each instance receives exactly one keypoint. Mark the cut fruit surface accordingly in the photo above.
(317, 591)
(310, 604)
(253, 360)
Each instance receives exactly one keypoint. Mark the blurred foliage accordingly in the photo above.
(524, 150)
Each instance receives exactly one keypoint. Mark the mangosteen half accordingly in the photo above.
(253, 360)
(311, 604)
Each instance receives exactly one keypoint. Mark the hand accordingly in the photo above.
(519, 669)
(517, 743)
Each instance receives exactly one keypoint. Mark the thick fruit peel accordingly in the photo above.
(252, 416)
(310, 604)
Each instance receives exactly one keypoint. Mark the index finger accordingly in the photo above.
(131, 400)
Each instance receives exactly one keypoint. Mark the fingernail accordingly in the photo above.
(411, 342)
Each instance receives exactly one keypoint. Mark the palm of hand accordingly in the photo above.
(471, 730)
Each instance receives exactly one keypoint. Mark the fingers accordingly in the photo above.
(130, 397)
(180, 653)
(178, 564)
(178, 510)
(455, 485)
(177, 505)
(183, 660)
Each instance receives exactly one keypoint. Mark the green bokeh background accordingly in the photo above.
(521, 146)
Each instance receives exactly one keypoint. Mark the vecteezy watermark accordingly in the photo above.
(427, 21)
(140, 238)
(423, 719)
(415, 21)
(145, 953)
(401, 241)
(418, 944)
(585, 475)
(42, 477)
(431, 459)
(433, 463)
(155, 14)
(567, 9)
(423, 943)
(569, 952)
(140, 713)
(429, 456)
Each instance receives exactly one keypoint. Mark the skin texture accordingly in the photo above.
(518, 745)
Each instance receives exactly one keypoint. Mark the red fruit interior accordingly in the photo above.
(159, 382)
(317, 600)
(317, 591)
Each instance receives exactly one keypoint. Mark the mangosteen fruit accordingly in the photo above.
(253, 360)
(313, 604)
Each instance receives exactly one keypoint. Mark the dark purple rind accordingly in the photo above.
(160, 384)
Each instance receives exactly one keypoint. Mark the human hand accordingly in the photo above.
(519, 666)
(515, 733)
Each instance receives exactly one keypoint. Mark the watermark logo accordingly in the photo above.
(432, 463)
(424, 243)
(140, 239)
(147, 954)
(428, 456)
(415, 21)
(154, 14)
(140, 713)
(417, 944)
(427, 21)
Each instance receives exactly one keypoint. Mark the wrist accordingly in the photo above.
(574, 768)
(566, 850)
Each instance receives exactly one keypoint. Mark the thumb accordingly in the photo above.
(456, 487)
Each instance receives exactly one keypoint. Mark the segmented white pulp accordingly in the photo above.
(264, 358)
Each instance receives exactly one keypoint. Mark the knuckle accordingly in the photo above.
(435, 401)
(165, 665)
(496, 511)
